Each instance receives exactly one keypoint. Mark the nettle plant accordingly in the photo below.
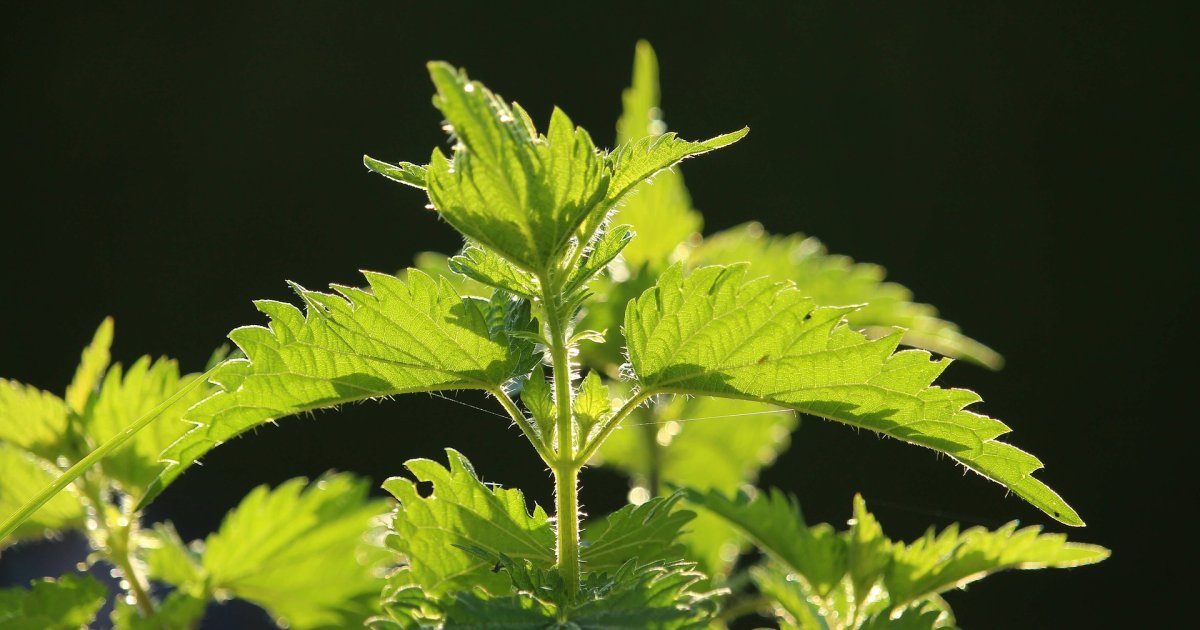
(586, 305)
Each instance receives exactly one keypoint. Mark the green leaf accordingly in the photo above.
(23, 477)
(654, 596)
(178, 611)
(937, 562)
(648, 532)
(486, 267)
(519, 193)
(437, 265)
(795, 605)
(536, 397)
(404, 172)
(92, 364)
(869, 551)
(703, 443)
(399, 336)
(832, 280)
(659, 210)
(883, 579)
(297, 551)
(774, 523)
(925, 617)
(592, 405)
(637, 161)
(605, 311)
(123, 399)
(461, 511)
(68, 603)
(716, 334)
(32, 419)
(608, 244)
(169, 560)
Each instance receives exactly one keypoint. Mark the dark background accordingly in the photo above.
(1021, 167)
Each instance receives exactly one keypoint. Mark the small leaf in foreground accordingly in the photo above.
(461, 511)
(68, 603)
(298, 552)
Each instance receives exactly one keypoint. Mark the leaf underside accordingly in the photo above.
(714, 333)
(298, 551)
(397, 337)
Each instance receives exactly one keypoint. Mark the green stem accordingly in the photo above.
(521, 421)
(566, 468)
(33, 505)
(653, 456)
(612, 424)
(566, 505)
(113, 543)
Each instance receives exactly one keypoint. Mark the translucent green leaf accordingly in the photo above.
(915, 618)
(68, 603)
(716, 334)
(796, 607)
(598, 256)
(774, 523)
(869, 552)
(605, 311)
(92, 364)
(704, 443)
(883, 579)
(22, 476)
(537, 398)
(177, 611)
(486, 267)
(527, 196)
(461, 511)
(938, 562)
(169, 560)
(637, 161)
(654, 596)
(398, 336)
(32, 419)
(592, 405)
(437, 265)
(833, 280)
(519, 193)
(648, 532)
(404, 172)
(124, 397)
(297, 551)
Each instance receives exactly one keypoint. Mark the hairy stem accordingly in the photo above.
(521, 421)
(611, 425)
(566, 505)
(566, 469)
(112, 539)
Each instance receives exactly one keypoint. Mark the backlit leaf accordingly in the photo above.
(397, 337)
(297, 551)
(716, 334)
